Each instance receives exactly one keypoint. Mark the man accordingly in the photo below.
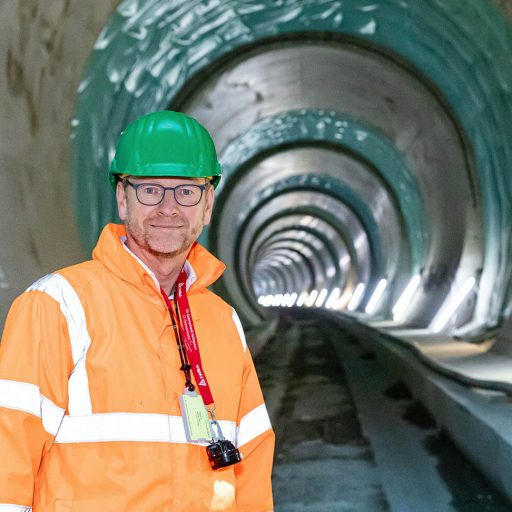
(125, 384)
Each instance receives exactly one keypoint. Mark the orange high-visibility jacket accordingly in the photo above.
(89, 385)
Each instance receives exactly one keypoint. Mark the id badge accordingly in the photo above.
(195, 417)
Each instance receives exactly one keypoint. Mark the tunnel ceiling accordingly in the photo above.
(364, 147)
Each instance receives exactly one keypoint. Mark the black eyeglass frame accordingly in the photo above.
(136, 186)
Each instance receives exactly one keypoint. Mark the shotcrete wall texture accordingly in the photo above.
(43, 50)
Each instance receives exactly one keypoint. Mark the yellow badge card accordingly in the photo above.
(195, 417)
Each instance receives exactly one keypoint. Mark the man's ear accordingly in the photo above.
(210, 199)
(121, 200)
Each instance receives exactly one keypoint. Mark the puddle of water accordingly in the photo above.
(398, 391)
(471, 492)
(416, 414)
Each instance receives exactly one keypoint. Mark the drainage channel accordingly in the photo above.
(350, 437)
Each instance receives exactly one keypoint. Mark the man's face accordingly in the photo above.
(167, 229)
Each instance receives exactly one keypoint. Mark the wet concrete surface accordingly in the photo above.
(350, 437)
(323, 462)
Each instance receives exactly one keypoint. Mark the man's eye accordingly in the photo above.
(151, 191)
(187, 191)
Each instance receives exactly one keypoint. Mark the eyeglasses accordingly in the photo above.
(151, 194)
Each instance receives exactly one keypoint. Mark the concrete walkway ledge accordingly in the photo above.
(465, 386)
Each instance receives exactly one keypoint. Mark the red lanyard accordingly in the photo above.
(188, 335)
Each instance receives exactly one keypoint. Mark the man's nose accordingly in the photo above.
(168, 202)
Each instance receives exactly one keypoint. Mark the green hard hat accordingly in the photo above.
(165, 143)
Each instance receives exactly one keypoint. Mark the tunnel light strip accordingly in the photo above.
(292, 300)
(321, 298)
(265, 300)
(333, 299)
(376, 297)
(402, 304)
(356, 297)
(444, 315)
(343, 300)
(302, 299)
(311, 298)
(315, 298)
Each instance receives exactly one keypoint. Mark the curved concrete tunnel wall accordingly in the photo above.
(350, 130)
(360, 143)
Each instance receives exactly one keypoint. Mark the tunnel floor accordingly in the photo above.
(350, 437)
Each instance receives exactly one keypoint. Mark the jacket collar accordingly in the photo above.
(113, 254)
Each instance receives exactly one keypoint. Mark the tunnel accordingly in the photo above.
(366, 155)
(356, 173)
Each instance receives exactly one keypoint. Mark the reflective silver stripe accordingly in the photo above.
(51, 415)
(240, 329)
(78, 385)
(25, 397)
(6, 507)
(126, 426)
(253, 424)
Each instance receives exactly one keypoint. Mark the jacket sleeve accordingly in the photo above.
(35, 360)
(256, 443)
